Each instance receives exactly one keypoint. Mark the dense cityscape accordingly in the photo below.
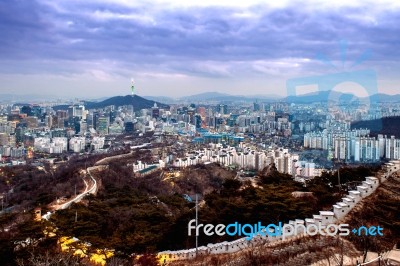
(181, 132)
(50, 130)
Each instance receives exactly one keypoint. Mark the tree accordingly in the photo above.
(147, 260)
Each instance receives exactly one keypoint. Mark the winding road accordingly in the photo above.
(90, 189)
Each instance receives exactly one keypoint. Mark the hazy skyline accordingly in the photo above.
(177, 48)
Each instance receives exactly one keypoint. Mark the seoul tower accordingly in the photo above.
(132, 87)
(132, 93)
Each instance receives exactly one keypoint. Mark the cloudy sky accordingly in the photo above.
(73, 48)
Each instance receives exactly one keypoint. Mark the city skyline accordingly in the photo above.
(178, 48)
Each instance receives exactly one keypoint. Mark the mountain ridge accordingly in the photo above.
(138, 103)
(320, 96)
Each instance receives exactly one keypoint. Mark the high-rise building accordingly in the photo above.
(256, 107)
(223, 109)
(103, 124)
(392, 150)
(197, 121)
(82, 127)
(62, 114)
(4, 139)
(31, 121)
(77, 144)
(155, 111)
(129, 127)
(202, 111)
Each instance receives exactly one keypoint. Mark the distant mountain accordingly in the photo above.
(137, 102)
(381, 97)
(162, 99)
(322, 96)
(224, 97)
(205, 96)
(325, 96)
(266, 96)
(10, 98)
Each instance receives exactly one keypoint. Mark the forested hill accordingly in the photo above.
(137, 102)
(386, 126)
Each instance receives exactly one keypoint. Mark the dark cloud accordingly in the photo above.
(67, 37)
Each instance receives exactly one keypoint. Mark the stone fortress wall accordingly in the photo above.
(339, 211)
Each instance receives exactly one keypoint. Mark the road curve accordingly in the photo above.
(88, 190)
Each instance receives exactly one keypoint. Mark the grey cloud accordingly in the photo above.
(198, 41)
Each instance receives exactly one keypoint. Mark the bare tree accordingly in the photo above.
(47, 259)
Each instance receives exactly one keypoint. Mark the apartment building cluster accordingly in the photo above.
(51, 145)
(325, 139)
(59, 145)
(14, 152)
(245, 158)
(354, 145)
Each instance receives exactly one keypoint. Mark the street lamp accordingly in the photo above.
(2, 202)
